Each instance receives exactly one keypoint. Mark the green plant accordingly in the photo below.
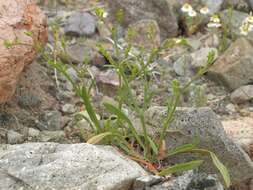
(121, 131)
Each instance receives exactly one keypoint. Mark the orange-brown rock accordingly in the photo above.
(22, 28)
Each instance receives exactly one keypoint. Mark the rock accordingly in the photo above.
(22, 21)
(33, 133)
(241, 131)
(145, 182)
(80, 24)
(206, 182)
(108, 82)
(235, 67)
(80, 53)
(182, 66)
(28, 100)
(73, 74)
(55, 166)
(146, 34)
(213, 5)
(14, 137)
(234, 20)
(51, 136)
(50, 120)
(200, 57)
(68, 108)
(231, 108)
(176, 183)
(250, 3)
(191, 180)
(158, 10)
(201, 122)
(242, 94)
(237, 4)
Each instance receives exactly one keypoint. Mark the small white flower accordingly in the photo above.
(186, 8)
(244, 31)
(178, 40)
(192, 13)
(249, 19)
(245, 28)
(215, 18)
(204, 10)
(105, 14)
(214, 25)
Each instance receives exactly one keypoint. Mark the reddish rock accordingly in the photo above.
(241, 131)
(22, 28)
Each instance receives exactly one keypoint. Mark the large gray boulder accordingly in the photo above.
(235, 67)
(158, 10)
(51, 166)
(204, 123)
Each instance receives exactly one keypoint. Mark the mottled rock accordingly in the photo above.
(202, 122)
(242, 94)
(14, 137)
(50, 120)
(241, 131)
(145, 182)
(158, 10)
(108, 82)
(236, 4)
(80, 24)
(68, 108)
(200, 57)
(23, 22)
(44, 166)
(80, 53)
(213, 5)
(146, 34)
(182, 66)
(235, 67)
(191, 180)
(234, 20)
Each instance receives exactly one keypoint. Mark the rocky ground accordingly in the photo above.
(43, 107)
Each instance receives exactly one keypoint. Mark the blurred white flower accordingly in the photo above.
(214, 25)
(105, 14)
(249, 19)
(215, 19)
(214, 22)
(204, 10)
(244, 30)
(192, 13)
(186, 8)
(177, 40)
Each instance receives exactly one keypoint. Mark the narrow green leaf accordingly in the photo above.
(153, 146)
(217, 163)
(181, 167)
(123, 117)
(223, 170)
(182, 149)
(89, 108)
(98, 138)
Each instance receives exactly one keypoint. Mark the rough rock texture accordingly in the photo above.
(242, 94)
(22, 23)
(159, 10)
(147, 34)
(204, 123)
(235, 67)
(46, 166)
(234, 21)
(241, 131)
(81, 24)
